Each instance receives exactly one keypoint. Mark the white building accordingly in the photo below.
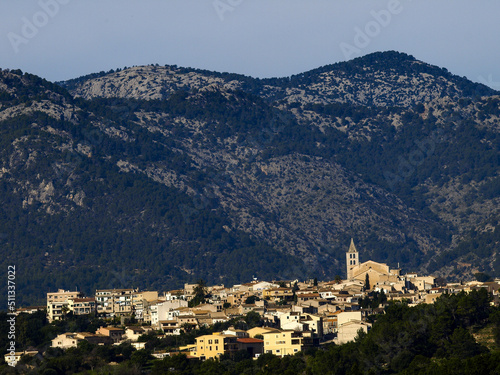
(160, 310)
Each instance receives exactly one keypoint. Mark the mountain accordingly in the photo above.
(381, 79)
(154, 176)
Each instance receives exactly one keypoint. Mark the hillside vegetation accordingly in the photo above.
(154, 176)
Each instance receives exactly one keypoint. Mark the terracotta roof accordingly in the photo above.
(248, 340)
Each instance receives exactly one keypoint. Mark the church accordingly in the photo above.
(378, 273)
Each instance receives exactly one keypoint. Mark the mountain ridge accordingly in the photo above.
(249, 169)
(391, 60)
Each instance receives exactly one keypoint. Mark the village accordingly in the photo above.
(293, 315)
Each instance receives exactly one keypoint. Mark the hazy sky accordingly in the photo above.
(61, 39)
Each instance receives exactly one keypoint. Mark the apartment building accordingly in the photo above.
(141, 301)
(58, 303)
(213, 346)
(113, 302)
(82, 306)
(286, 342)
(217, 344)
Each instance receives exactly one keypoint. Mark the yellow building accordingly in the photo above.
(213, 346)
(217, 344)
(286, 342)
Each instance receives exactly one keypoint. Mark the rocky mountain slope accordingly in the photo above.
(155, 176)
(381, 79)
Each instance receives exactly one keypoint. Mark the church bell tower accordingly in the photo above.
(352, 259)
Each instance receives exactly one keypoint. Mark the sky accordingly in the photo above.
(63, 39)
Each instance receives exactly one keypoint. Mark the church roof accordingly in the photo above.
(352, 248)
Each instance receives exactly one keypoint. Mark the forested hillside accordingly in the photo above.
(155, 176)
